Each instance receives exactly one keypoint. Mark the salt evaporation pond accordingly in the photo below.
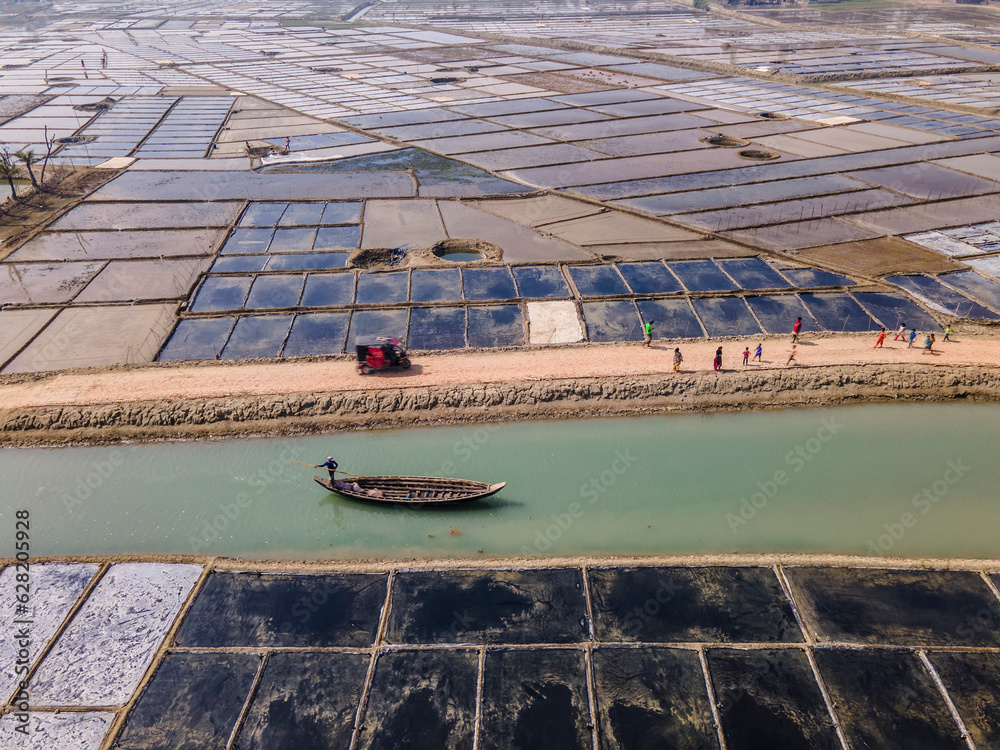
(909, 480)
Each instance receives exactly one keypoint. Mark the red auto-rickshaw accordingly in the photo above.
(380, 353)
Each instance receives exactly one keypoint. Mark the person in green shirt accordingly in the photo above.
(947, 333)
(647, 332)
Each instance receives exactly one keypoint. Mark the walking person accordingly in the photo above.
(677, 359)
(928, 343)
(717, 363)
(791, 356)
(647, 332)
(758, 351)
(880, 340)
(796, 329)
(947, 333)
(746, 356)
(901, 333)
(913, 337)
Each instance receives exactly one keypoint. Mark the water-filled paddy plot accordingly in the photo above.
(291, 658)
(487, 305)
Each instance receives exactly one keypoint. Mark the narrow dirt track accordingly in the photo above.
(590, 361)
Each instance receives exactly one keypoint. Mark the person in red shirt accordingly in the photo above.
(795, 329)
(880, 340)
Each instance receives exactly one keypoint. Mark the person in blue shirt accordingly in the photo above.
(330, 466)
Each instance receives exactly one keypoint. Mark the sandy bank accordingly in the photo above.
(299, 397)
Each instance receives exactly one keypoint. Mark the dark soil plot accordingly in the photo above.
(652, 698)
(649, 278)
(383, 288)
(500, 325)
(439, 129)
(674, 318)
(743, 195)
(770, 699)
(488, 606)
(317, 333)
(611, 96)
(328, 290)
(297, 240)
(535, 699)
(275, 292)
(978, 287)
(838, 312)
(612, 321)
(506, 107)
(257, 336)
(486, 284)
(437, 328)
(193, 700)
(702, 276)
(221, 293)
(549, 117)
(306, 701)
(436, 285)
(323, 610)
(378, 323)
(806, 278)
(886, 699)
(262, 214)
(247, 241)
(753, 273)
(422, 699)
(895, 310)
(792, 210)
(199, 338)
(703, 605)
(597, 281)
(778, 314)
(337, 238)
(927, 181)
(302, 214)
(540, 281)
(661, 106)
(307, 261)
(342, 212)
(910, 608)
(726, 316)
(229, 264)
(973, 682)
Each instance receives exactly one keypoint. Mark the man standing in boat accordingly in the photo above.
(330, 466)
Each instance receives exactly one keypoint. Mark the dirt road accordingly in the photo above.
(215, 380)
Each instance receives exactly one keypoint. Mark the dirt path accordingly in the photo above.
(281, 378)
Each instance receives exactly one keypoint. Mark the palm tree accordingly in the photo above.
(28, 158)
(8, 171)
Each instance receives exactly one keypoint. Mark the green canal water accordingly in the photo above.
(908, 480)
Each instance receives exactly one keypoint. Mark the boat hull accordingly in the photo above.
(420, 492)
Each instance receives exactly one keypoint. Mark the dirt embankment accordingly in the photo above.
(441, 404)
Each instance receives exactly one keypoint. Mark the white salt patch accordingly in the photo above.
(101, 657)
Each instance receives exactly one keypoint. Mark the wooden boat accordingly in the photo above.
(412, 491)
